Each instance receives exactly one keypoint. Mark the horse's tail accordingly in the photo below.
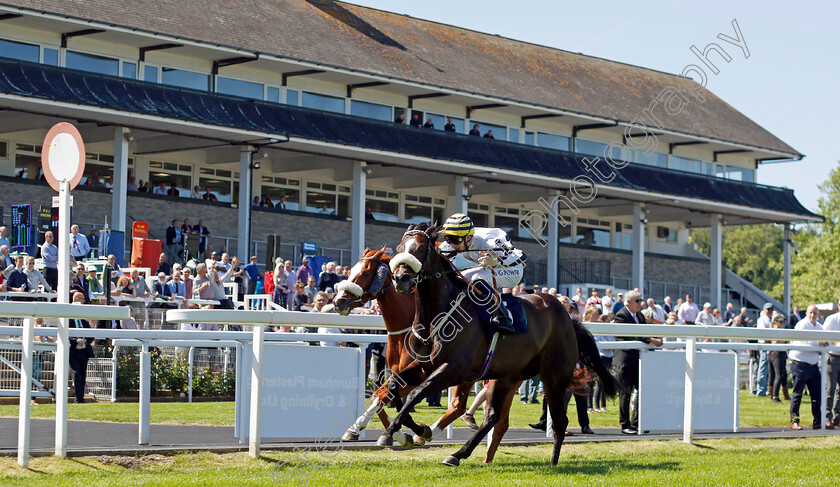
(590, 358)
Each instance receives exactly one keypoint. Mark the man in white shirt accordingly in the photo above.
(607, 302)
(688, 311)
(580, 301)
(79, 246)
(704, 318)
(657, 314)
(763, 367)
(832, 388)
(806, 372)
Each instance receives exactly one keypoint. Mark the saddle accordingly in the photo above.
(514, 306)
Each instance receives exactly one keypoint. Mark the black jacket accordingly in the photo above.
(88, 350)
(171, 236)
(624, 316)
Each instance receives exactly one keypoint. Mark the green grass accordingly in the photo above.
(754, 411)
(784, 462)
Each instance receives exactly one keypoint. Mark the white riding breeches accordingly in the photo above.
(505, 276)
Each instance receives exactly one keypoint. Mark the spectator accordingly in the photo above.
(142, 188)
(311, 288)
(745, 321)
(328, 278)
(94, 284)
(16, 279)
(654, 313)
(806, 372)
(125, 287)
(159, 288)
(174, 241)
(627, 363)
(594, 300)
(116, 271)
(761, 373)
(4, 237)
(607, 302)
(717, 320)
(6, 259)
(49, 252)
(281, 204)
(778, 362)
(208, 196)
(238, 273)
(321, 300)
(552, 291)
(300, 298)
(449, 127)
(369, 216)
(571, 308)
(704, 318)
(832, 387)
(195, 193)
(339, 271)
(729, 314)
(475, 131)
(794, 318)
(186, 227)
(415, 120)
(188, 282)
(94, 180)
(203, 236)
(132, 186)
(81, 350)
(580, 301)
(140, 288)
(79, 246)
(429, 124)
(163, 266)
(93, 239)
(148, 187)
(599, 400)
(400, 119)
(279, 280)
(266, 201)
(688, 311)
(256, 201)
(34, 278)
(109, 183)
(215, 283)
(330, 294)
(161, 189)
(489, 135)
(616, 307)
(252, 272)
(666, 305)
(304, 271)
(80, 284)
(177, 287)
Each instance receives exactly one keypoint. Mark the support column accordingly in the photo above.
(553, 248)
(120, 189)
(461, 205)
(787, 246)
(638, 274)
(716, 259)
(246, 157)
(357, 209)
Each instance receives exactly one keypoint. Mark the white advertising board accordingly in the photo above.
(662, 391)
(307, 391)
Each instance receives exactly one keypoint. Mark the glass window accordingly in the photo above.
(4, 149)
(318, 202)
(529, 138)
(510, 224)
(182, 182)
(383, 211)
(740, 174)
(91, 62)
(27, 167)
(688, 165)
(513, 135)
(272, 93)
(51, 56)
(441, 120)
(480, 219)
(654, 159)
(419, 212)
(534, 222)
(150, 73)
(292, 97)
(219, 187)
(552, 141)
(237, 87)
(595, 237)
(129, 70)
(323, 102)
(623, 236)
(499, 132)
(370, 110)
(20, 51)
(291, 197)
(720, 170)
(707, 168)
(184, 79)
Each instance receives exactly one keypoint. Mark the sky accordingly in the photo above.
(790, 84)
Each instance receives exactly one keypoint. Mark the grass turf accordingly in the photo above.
(754, 411)
(809, 461)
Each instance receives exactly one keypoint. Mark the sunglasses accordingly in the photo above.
(453, 239)
(637, 300)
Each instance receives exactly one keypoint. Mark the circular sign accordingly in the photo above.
(63, 155)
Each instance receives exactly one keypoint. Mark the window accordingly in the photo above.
(288, 189)
(653, 159)
(4, 150)
(169, 173)
(92, 62)
(292, 97)
(185, 79)
(150, 73)
(423, 209)
(740, 174)
(508, 220)
(720, 170)
(623, 236)
(529, 138)
(382, 205)
(20, 51)
(322, 102)
(441, 120)
(51, 56)
(552, 141)
(479, 214)
(219, 181)
(129, 70)
(499, 132)
(272, 93)
(513, 135)
(247, 89)
(370, 110)
(327, 199)
(688, 165)
(593, 232)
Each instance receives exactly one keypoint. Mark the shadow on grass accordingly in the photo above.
(578, 465)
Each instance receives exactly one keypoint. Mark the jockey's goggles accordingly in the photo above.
(453, 239)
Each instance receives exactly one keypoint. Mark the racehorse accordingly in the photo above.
(452, 352)
(370, 278)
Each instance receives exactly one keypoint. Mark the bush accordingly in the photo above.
(171, 373)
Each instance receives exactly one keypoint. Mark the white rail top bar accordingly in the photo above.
(16, 309)
(277, 318)
(241, 336)
(680, 331)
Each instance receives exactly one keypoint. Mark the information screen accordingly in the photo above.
(21, 222)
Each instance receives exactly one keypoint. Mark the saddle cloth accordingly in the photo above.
(514, 305)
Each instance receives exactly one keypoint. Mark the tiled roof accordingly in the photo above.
(147, 98)
(383, 43)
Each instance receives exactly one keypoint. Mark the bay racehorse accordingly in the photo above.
(370, 278)
(450, 343)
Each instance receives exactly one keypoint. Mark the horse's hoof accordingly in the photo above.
(407, 441)
(419, 441)
(350, 435)
(385, 440)
(451, 461)
(427, 432)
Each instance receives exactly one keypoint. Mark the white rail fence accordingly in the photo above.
(252, 343)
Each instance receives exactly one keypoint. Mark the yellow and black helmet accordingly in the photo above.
(459, 225)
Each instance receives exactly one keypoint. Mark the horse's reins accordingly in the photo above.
(382, 290)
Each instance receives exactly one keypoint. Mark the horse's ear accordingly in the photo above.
(410, 228)
(367, 249)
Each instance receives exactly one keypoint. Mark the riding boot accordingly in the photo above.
(501, 320)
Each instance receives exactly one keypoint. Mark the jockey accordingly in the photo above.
(499, 263)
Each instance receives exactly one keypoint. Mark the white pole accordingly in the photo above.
(450, 430)
(114, 365)
(549, 423)
(360, 393)
(688, 418)
(823, 384)
(256, 392)
(145, 394)
(190, 375)
(237, 393)
(25, 392)
(736, 391)
(62, 342)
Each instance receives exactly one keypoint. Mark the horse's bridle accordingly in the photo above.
(361, 299)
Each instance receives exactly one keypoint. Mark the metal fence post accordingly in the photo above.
(25, 391)
(256, 391)
(823, 384)
(145, 394)
(190, 375)
(688, 418)
(114, 364)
